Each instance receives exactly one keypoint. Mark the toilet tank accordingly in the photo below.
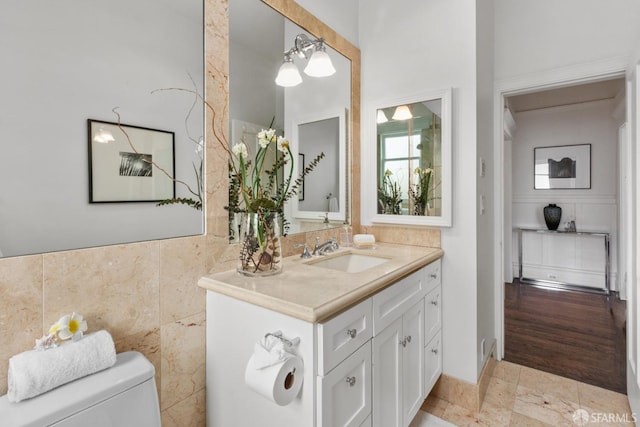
(121, 396)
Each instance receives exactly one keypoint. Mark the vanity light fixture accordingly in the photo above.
(314, 51)
(382, 117)
(402, 113)
(103, 136)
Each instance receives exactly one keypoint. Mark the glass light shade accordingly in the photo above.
(319, 65)
(288, 75)
(103, 136)
(382, 117)
(402, 113)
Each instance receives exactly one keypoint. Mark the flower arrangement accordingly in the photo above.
(71, 326)
(421, 193)
(389, 195)
(262, 186)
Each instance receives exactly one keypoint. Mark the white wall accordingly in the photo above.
(535, 36)
(411, 46)
(594, 209)
(340, 15)
(486, 214)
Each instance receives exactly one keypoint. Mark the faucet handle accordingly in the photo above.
(305, 252)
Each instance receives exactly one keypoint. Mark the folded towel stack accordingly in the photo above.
(37, 371)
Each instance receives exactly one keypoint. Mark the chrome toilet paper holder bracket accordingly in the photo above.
(278, 334)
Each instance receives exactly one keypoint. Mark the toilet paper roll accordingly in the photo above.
(279, 383)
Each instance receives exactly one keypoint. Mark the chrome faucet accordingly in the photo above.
(326, 247)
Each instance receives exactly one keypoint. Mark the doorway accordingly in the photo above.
(518, 206)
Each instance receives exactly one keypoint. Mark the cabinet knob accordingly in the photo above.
(408, 338)
(434, 302)
(434, 350)
(352, 332)
(351, 381)
(433, 275)
(403, 342)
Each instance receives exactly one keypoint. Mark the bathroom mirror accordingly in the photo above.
(258, 37)
(70, 61)
(413, 160)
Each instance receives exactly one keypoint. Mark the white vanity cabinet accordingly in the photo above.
(369, 365)
(398, 351)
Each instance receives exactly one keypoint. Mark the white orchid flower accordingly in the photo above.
(240, 150)
(283, 144)
(265, 137)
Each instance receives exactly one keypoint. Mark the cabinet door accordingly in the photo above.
(433, 312)
(387, 376)
(413, 361)
(433, 362)
(394, 301)
(345, 393)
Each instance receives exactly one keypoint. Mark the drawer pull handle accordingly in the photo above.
(433, 275)
(352, 332)
(434, 302)
(351, 381)
(403, 342)
(434, 350)
(408, 338)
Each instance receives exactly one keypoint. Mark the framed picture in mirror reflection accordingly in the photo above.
(130, 163)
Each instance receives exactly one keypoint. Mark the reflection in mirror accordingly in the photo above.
(409, 159)
(76, 61)
(324, 190)
(258, 39)
(413, 160)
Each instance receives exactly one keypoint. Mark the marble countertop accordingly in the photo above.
(314, 293)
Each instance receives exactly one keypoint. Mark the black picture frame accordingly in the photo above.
(130, 163)
(562, 167)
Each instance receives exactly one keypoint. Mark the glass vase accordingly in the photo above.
(260, 246)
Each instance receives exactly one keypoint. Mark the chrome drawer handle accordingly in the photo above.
(351, 381)
(403, 342)
(434, 302)
(408, 338)
(352, 332)
(434, 350)
(433, 275)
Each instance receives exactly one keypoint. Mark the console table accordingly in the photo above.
(564, 258)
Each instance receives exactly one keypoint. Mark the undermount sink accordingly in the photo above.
(349, 262)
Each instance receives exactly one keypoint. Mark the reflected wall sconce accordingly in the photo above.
(314, 51)
(103, 136)
(382, 117)
(402, 113)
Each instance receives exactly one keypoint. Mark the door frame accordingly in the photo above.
(534, 82)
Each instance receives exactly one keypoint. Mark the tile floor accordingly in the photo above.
(521, 396)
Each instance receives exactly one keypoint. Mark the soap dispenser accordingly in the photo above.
(345, 235)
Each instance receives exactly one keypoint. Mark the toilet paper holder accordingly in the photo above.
(278, 334)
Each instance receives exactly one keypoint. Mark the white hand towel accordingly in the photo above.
(37, 371)
(333, 204)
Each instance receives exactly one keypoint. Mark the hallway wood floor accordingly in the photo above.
(573, 334)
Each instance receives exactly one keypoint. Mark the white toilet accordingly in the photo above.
(121, 396)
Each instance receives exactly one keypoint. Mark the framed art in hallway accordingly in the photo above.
(562, 167)
(130, 163)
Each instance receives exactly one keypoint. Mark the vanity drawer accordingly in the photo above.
(433, 274)
(433, 362)
(342, 335)
(345, 393)
(432, 312)
(392, 302)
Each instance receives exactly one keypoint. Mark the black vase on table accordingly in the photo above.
(552, 215)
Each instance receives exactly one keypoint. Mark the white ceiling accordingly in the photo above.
(606, 89)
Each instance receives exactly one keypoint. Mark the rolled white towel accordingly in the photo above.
(37, 371)
(333, 205)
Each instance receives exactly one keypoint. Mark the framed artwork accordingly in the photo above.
(301, 168)
(562, 167)
(130, 163)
